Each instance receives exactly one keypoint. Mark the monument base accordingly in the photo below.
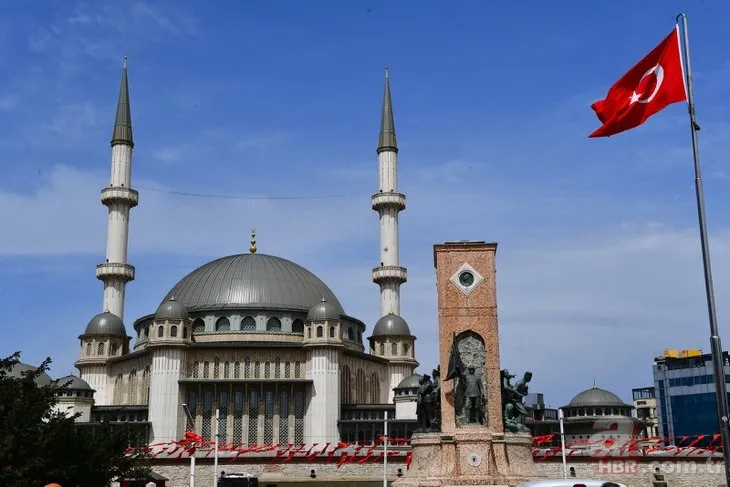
(469, 457)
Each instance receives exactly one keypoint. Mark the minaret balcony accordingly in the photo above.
(114, 270)
(389, 200)
(390, 273)
(116, 194)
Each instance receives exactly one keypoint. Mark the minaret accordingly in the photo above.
(388, 202)
(119, 197)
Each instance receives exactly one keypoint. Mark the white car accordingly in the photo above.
(570, 483)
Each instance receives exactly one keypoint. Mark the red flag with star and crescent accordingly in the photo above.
(651, 85)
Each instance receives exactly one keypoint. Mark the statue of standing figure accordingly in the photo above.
(515, 414)
(428, 402)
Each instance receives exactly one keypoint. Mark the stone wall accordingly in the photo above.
(633, 473)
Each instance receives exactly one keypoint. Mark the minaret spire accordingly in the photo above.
(119, 197)
(388, 202)
(386, 140)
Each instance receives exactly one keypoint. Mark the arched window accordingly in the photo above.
(160, 332)
(319, 331)
(100, 349)
(226, 370)
(248, 324)
(273, 325)
(382, 349)
(345, 385)
(374, 389)
(277, 368)
(360, 396)
(198, 325)
(297, 326)
(206, 370)
(332, 331)
(394, 349)
(185, 331)
(146, 385)
(222, 324)
(350, 333)
(132, 391)
(118, 390)
(267, 370)
(196, 366)
(309, 335)
(406, 349)
(114, 349)
(247, 368)
(88, 349)
(173, 331)
(216, 368)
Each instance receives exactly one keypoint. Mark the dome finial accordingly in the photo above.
(252, 249)
(594, 382)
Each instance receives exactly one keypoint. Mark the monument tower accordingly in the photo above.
(472, 447)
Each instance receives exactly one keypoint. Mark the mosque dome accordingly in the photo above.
(74, 383)
(410, 382)
(252, 281)
(596, 397)
(391, 325)
(19, 370)
(323, 311)
(106, 323)
(171, 310)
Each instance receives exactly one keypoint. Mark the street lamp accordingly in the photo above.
(191, 420)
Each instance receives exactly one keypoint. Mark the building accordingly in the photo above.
(255, 340)
(686, 401)
(645, 410)
(593, 418)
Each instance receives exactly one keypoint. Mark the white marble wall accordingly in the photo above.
(323, 410)
(166, 396)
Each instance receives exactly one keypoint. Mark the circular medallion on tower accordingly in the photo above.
(466, 278)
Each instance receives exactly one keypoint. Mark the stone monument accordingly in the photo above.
(478, 435)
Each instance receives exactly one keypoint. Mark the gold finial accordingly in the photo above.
(252, 249)
(594, 383)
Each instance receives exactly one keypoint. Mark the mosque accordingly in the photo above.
(256, 340)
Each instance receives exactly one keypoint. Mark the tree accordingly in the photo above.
(39, 445)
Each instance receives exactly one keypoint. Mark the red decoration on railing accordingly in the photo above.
(360, 452)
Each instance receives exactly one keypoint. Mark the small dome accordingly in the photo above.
(106, 324)
(411, 382)
(596, 397)
(391, 325)
(171, 310)
(19, 370)
(323, 311)
(75, 383)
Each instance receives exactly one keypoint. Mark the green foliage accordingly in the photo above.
(39, 445)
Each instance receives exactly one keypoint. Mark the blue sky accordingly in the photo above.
(598, 264)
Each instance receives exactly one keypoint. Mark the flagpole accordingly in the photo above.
(717, 355)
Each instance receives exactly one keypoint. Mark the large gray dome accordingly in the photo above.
(391, 325)
(410, 382)
(106, 323)
(254, 281)
(19, 370)
(596, 397)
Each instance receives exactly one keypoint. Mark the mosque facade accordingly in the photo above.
(254, 340)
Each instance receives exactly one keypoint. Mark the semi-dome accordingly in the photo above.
(106, 323)
(19, 370)
(596, 397)
(323, 311)
(391, 325)
(75, 383)
(253, 281)
(171, 310)
(410, 382)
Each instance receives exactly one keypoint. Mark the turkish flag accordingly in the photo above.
(650, 86)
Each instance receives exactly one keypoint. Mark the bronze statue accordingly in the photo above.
(428, 403)
(514, 411)
(436, 394)
(469, 397)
